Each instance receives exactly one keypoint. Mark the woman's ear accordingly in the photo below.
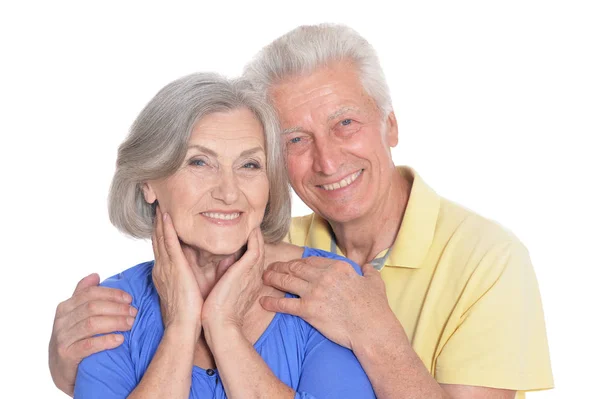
(149, 194)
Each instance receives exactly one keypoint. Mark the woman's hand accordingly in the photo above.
(237, 290)
(180, 298)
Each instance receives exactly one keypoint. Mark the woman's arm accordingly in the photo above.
(243, 372)
(170, 372)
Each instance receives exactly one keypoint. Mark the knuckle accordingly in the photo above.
(282, 304)
(340, 266)
(62, 351)
(287, 280)
(327, 279)
(87, 344)
(60, 308)
(91, 307)
(295, 267)
(90, 324)
(123, 309)
(319, 292)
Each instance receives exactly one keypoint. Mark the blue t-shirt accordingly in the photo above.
(299, 355)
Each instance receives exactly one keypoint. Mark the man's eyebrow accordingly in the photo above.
(340, 112)
(336, 114)
(291, 130)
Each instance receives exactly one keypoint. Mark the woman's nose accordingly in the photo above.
(226, 189)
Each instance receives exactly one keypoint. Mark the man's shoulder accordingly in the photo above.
(299, 229)
(458, 223)
(474, 246)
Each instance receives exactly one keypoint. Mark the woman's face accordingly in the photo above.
(220, 192)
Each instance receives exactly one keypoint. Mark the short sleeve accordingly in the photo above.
(106, 375)
(500, 341)
(112, 373)
(331, 371)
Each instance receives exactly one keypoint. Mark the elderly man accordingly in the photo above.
(448, 306)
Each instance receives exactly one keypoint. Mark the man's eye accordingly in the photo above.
(295, 140)
(346, 122)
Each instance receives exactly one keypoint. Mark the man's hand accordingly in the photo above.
(334, 299)
(90, 311)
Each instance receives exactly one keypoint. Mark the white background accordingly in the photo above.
(498, 105)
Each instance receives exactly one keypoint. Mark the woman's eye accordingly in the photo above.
(197, 162)
(252, 165)
(295, 140)
(346, 122)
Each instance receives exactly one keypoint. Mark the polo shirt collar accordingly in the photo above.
(416, 232)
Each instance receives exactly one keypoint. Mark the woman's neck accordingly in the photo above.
(208, 268)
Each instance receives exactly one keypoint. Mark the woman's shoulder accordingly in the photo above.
(308, 252)
(136, 281)
(282, 252)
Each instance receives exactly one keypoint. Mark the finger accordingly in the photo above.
(252, 255)
(291, 306)
(101, 308)
(93, 294)
(172, 244)
(86, 347)
(97, 325)
(154, 238)
(88, 281)
(286, 282)
(368, 270)
(160, 234)
(299, 268)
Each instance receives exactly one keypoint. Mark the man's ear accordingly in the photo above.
(391, 135)
(149, 194)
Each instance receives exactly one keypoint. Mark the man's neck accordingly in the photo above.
(361, 240)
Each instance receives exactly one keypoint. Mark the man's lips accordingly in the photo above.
(341, 183)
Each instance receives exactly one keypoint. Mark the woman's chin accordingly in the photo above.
(223, 247)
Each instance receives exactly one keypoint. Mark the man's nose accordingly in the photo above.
(326, 157)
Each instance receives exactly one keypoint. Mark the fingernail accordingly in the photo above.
(117, 338)
(164, 217)
(132, 311)
(130, 321)
(127, 298)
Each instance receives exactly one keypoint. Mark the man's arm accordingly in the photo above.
(344, 307)
(90, 311)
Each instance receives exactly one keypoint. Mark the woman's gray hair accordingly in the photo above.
(306, 48)
(157, 144)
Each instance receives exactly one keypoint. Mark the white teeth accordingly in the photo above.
(222, 216)
(342, 183)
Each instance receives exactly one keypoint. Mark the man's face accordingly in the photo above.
(337, 143)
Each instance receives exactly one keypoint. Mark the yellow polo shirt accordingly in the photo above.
(464, 289)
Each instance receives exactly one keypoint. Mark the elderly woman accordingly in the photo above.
(201, 173)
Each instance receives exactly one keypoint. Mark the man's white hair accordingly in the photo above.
(307, 48)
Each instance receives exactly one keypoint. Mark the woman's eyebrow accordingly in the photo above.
(251, 151)
(201, 148)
